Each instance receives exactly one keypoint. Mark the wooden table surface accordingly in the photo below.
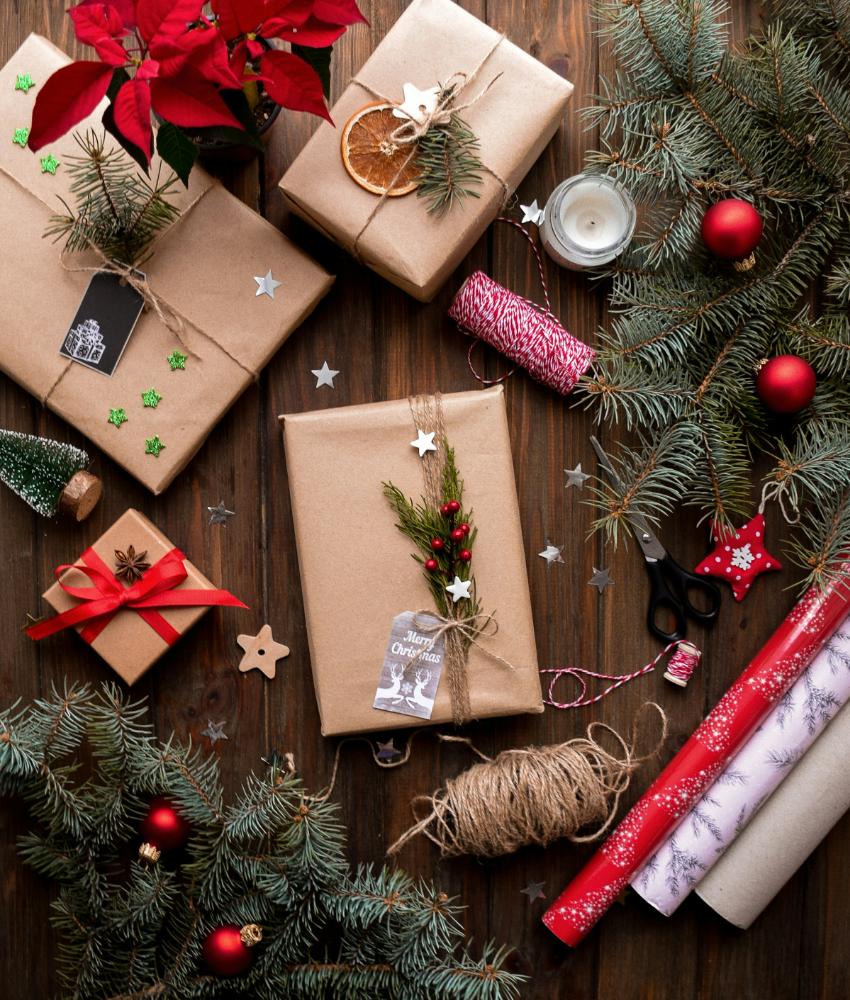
(387, 346)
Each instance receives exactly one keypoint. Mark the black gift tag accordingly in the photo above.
(104, 321)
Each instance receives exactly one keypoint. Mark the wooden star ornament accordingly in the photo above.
(738, 557)
(261, 652)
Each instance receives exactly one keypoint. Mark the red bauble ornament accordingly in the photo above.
(227, 950)
(432, 565)
(457, 535)
(163, 826)
(732, 229)
(464, 555)
(738, 557)
(453, 506)
(786, 383)
(464, 528)
(437, 544)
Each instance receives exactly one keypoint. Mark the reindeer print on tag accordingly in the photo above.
(412, 666)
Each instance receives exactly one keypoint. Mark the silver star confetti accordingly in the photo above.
(214, 732)
(219, 514)
(325, 375)
(424, 442)
(459, 589)
(552, 554)
(386, 751)
(575, 477)
(601, 579)
(534, 890)
(266, 284)
(533, 213)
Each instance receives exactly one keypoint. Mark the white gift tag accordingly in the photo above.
(412, 666)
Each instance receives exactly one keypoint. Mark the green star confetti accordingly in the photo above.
(151, 398)
(153, 446)
(117, 416)
(49, 164)
(20, 137)
(177, 360)
(23, 82)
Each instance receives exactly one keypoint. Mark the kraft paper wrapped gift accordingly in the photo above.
(356, 568)
(129, 643)
(514, 120)
(202, 268)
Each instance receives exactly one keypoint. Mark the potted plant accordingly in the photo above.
(215, 75)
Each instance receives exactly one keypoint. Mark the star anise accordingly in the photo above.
(130, 565)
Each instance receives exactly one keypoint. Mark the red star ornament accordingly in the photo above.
(738, 557)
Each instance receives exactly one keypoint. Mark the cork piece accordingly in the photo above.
(261, 652)
(80, 496)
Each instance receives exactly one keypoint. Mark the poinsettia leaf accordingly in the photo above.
(293, 83)
(190, 102)
(70, 94)
(203, 50)
(102, 27)
(239, 17)
(119, 77)
(238, 59)
(129, 148)
(177, 150)
(132, 114)
(320, 60)
(311, 33)
(159, 18)
(338, 12)
(288, 13)
(126, 9)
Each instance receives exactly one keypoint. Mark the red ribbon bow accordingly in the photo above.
(100, 603)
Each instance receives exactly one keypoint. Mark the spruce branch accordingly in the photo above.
(450, 167)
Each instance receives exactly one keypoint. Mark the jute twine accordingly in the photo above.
(531, 795)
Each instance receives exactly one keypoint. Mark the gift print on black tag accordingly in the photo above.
(104, 322)
(412, 666)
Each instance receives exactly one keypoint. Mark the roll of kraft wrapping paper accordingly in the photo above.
(765, 760)
(777, 665)
(786, 830)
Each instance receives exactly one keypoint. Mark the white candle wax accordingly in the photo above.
(588, 221)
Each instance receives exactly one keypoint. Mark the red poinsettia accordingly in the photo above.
(165, 56)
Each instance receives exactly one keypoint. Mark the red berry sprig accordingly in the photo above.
(449, 549)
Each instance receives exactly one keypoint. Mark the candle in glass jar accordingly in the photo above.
(588, 221)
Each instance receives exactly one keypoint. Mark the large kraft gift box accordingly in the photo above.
(202, 269)
(129, 643)
(514, 120)
(356, 568)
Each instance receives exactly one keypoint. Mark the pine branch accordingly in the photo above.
(450, 168)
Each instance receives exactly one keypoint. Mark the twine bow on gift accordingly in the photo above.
(412, 129)
(107, 596)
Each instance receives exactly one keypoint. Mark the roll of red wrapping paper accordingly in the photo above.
(776, 666)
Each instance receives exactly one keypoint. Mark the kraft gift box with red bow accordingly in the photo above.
(130, 616)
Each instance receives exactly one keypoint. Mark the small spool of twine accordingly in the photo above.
(530, 795)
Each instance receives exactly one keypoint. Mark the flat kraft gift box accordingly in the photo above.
(132, 639)
(356, 568)
(431, 42)
(202, 269)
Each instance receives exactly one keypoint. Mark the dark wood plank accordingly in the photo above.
(386, 345)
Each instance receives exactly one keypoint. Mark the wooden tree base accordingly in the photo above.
(80, 496)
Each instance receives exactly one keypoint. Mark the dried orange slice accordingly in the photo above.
(370, 156)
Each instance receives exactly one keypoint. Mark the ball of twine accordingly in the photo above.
(530, 795)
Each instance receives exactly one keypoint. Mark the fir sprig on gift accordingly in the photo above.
(449, 164)
(118, 210)
(424, 522)
(273, 856)
(685, 123)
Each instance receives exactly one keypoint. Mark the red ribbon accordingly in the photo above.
(100, 603)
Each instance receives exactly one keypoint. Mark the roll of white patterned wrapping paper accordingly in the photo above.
(724, 810)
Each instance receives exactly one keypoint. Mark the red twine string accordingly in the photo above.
(525, 332)
(679, 670)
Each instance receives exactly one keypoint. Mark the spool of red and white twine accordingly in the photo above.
(531, 336)
(679, 670)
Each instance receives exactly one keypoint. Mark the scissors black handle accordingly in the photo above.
(670, 584)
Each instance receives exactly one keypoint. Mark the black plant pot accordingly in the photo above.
(225, 151)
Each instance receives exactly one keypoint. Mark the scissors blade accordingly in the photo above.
(652, 549)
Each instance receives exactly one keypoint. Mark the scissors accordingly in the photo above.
(670, 583)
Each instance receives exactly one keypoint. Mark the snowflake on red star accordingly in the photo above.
(738, 557)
